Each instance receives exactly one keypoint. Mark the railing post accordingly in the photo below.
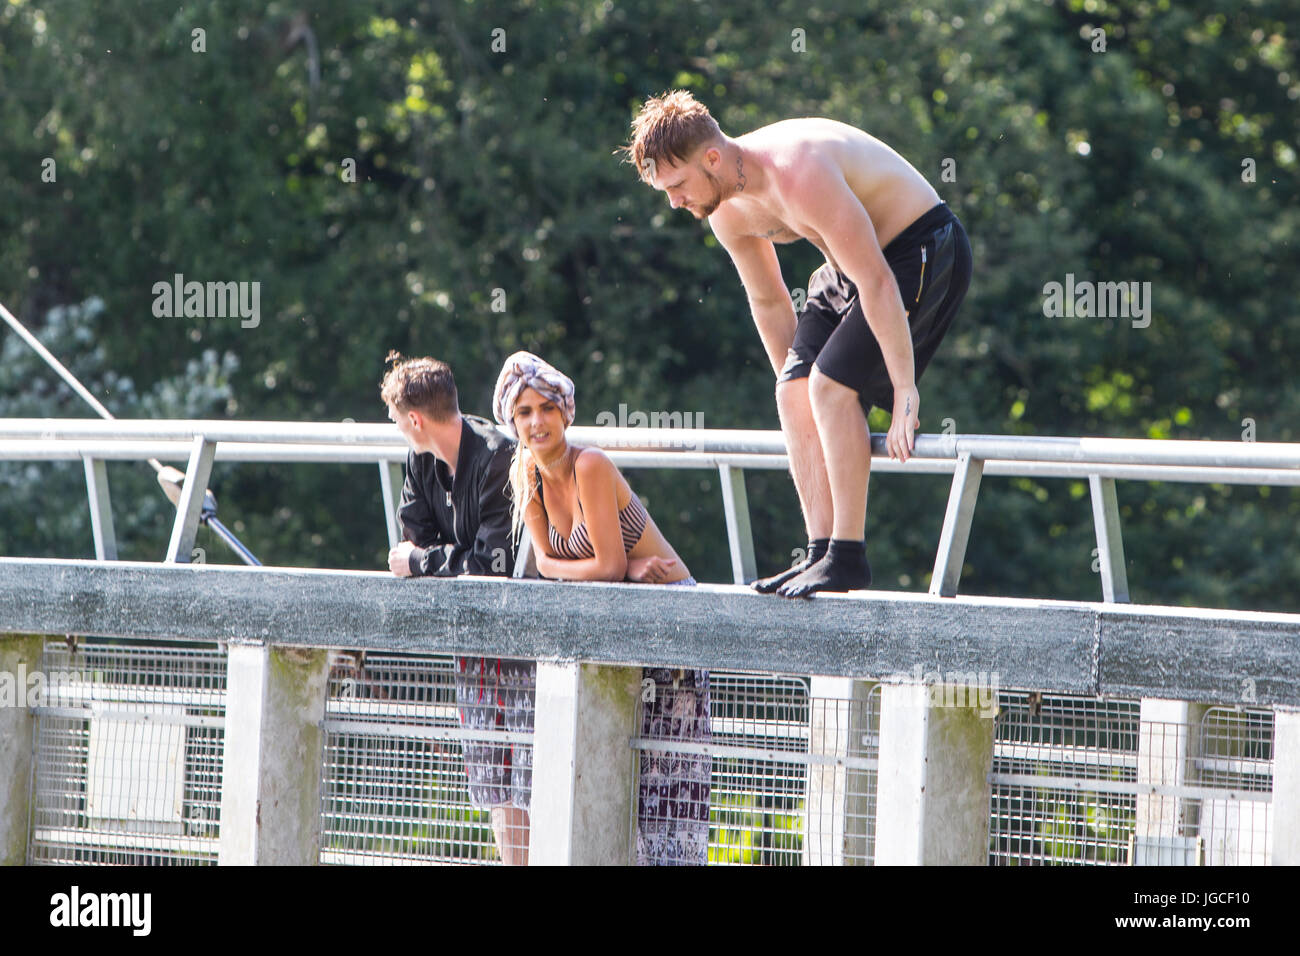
(271, 769)
(391, 480)
(1110, 539)
(740, 535)
(956, 525)
(190, 506)
(525, 559)
(20, 657)
(101, 510)
(933, 786)
(839, 804)
(1286, 787)
(584, 770)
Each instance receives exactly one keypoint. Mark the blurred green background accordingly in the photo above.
(1168, 157)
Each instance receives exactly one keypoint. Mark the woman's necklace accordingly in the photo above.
(556, 467)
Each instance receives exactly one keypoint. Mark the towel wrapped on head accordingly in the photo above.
(525, 370)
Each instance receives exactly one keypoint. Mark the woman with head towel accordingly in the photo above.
(587, 524)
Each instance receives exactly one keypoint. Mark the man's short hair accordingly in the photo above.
(669, 128)
(423, 384)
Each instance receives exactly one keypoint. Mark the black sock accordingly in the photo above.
(817, 549)
(845, 568)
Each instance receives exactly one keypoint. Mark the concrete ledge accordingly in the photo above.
(1054, 646)
(1194, 654)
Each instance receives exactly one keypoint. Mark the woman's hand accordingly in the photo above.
(651, 569)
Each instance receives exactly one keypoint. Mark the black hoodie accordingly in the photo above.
(460, 525)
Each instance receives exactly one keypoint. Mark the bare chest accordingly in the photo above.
(775, 225)
(771, 228)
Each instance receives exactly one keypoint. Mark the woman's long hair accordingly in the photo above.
(523, 486)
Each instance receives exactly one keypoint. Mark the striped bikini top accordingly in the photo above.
(632, 520)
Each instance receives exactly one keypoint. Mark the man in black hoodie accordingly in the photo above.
(455, 516)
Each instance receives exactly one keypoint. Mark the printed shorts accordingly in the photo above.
(496, 695)
(674, 789)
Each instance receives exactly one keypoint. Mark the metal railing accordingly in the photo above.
(393, 787)
(968, 458)
(1106, 782)
(129, 753)
(129, 745)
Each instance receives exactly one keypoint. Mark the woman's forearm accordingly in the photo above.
(579, 569)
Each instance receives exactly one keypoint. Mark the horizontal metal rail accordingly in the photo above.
(398, 717)
(1046, 753)
(1127, 788)
(118, 841)
(281, 453)
(802, 758)
(129, 716)
(58, 690)
(363, 728)
(1121, 451)
(731, 451)
(365, 857)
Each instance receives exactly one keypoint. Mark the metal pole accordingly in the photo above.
(740, 535)
(97, 477)
(956, 526)
(189, 509)
(1110, 539)
(101, 510)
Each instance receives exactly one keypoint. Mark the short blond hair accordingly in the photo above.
(669, 128)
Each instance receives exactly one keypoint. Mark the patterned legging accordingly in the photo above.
(673, 794)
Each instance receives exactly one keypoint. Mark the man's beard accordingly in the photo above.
(716, 201)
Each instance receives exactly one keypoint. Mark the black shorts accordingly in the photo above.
(931, 261)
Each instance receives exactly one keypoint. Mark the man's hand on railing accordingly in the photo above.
(907, 419)
(650, 570)
(399, 559)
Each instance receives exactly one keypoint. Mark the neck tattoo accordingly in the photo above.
(740, 174)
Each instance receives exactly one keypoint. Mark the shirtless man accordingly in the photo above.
(897, 267)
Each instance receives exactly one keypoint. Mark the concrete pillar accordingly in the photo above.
(1168, 737)
(270, 782)
(933, 783)
(1286, 788)
(583, 803)
(20, 656)
(840, 824)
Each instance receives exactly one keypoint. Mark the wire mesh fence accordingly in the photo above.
(129, 744)
(791, 777)
(396, 791)
(416, 750)
(744, 769)
(1052, 759)
(1101, 782)
(844, 747)
(1211, 785)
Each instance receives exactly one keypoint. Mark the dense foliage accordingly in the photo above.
(1126, 141)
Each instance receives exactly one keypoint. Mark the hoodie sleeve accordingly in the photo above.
(419, 524)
